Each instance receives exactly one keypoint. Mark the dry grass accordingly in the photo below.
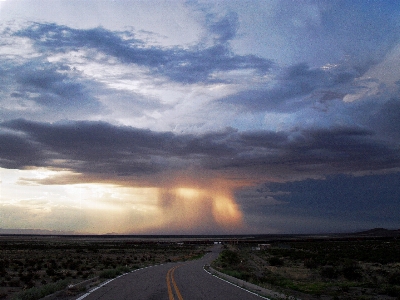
(41, 265)
(361, 269)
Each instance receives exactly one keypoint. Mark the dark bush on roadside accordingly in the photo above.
(243, 275)
(112, 273)
(329, 272)
(351, 271)
(394, 278)
(109, 273)
(229, 257)
(275, 261)
(50, 272)
(40, 292)
(310, 263)
(392, 291)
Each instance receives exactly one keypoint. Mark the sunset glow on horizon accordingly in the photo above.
(102, 208)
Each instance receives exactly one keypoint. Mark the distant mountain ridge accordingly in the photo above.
(380, 232)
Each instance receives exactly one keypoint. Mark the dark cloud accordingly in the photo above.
(387, 119)
(97, 147)
(310, 153)
(337, 203)
(296, 87)
(225, 28)
(54, 88)
(196, 64)
(40, 90)
(101, 148)
(17, 152)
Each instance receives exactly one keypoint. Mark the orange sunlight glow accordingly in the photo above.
(188, 192)
(211, 208)
(226, 212)
(42, 198)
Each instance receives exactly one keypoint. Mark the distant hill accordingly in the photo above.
(380, 232)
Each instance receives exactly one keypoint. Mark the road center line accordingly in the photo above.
(170, 278)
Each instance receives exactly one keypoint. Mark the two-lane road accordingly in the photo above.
(178, 281)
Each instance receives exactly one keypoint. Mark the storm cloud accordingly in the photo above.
(98, 147)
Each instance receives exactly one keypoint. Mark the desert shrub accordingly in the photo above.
(275, 261)
(50, 272)
(229, 257)
(123, 269)
(18, 262)
(40, 292)
(351, 271)
(275, 279)
(310, 263)
(73, 265)
(394, 278)
(313, 288)
(14, 282)
(4, 264)
(109, 273)
(329, 272)
(392, 291)
(238, 274)
(27, 277)
(112, 273)
(31, 262)
(53, 264)
(345, 288)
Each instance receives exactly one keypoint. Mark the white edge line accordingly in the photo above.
(235, 285)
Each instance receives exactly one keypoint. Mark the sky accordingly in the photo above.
(199, 117)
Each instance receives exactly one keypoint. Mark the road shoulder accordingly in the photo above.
(255, 289)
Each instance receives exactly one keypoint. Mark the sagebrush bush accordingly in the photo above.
(40, 292)
(275, 261)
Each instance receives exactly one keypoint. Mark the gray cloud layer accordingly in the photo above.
(97, 147)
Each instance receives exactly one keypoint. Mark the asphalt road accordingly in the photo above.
(171, 281)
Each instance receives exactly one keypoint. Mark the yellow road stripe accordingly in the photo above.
(170, 294)
(170, 278)
(178, 293)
